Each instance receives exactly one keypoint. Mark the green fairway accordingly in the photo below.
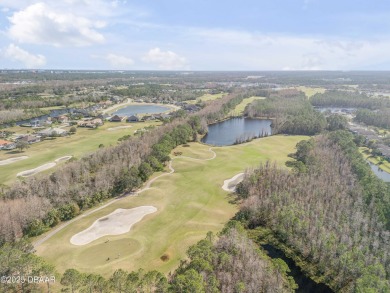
(206, 97)
(239, 109)
(382, 164)
(311, 91)
(77, 145)
(190, 202)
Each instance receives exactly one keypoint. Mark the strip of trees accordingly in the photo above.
(329, 209)
(379, 118)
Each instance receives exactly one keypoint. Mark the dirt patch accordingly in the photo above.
(230, 184)
(36, 170)
(12, 160)
(118, 222)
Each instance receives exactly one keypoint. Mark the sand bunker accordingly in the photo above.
(230, 184)
(12, 160)
(36, 170)
(118, 127)
(118, 222)
(63, 159)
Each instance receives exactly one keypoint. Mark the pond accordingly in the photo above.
(379, 172)
(236, 130)
(141, 109)
(305, 284)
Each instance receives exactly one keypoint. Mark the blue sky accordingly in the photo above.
(195, 35)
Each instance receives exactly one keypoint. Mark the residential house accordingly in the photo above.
(132, 118)
(117, 118)
(30, 139)
(7, 145)
(50, 132)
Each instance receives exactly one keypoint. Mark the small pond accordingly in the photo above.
(235, 130)
(305, 284)
(379, 172)
(141, 109)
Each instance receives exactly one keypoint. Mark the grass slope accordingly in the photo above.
(239, 109)
(83, 142)
(190, 203)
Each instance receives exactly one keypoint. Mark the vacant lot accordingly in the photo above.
(190, 202)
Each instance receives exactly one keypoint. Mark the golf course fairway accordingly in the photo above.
(189, 202)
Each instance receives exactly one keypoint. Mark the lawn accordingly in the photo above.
(239, 109)
(190, 202)
(83, 142)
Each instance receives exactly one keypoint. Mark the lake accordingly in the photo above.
(230, 131)
(141, 109)
(379, 172)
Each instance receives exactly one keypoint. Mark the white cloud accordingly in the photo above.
(166, 60)
(29, 60)
(41, 24)
(119, 62)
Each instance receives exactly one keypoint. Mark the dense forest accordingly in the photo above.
(230, 263)
(291, 113)
(379, 118)
(329, 210)
(348, 99)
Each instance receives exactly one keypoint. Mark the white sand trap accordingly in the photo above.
(118, 222)
(12, 160)
(36, 170)
(230, 184)
(63, 159)
(118, 127)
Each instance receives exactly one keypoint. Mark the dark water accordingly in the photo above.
(229, 131)
(379, 172)
(141, 109)
(305, 284)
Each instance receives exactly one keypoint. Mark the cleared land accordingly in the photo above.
(84, 141)
(239, 109)
(190, 202)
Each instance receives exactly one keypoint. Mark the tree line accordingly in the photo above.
(328, 210)
(348, 99)
(379, 118)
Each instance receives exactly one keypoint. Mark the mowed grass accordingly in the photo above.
(77, 145)
(311, 91)
(206, 98)
(190, 202)
(382, 164)
(239, 109)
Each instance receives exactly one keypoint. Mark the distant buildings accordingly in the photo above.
(51, 132)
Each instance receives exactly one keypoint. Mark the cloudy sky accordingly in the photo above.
(195, 34)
